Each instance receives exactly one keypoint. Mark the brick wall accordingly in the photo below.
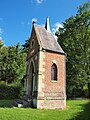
(54, 91)
(51, 85)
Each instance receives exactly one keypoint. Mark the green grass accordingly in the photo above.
(76, 110)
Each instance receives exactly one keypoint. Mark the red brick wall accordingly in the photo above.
(51, 85)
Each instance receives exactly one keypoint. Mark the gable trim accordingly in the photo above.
(53, 51)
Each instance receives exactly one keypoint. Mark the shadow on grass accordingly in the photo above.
(83, 115)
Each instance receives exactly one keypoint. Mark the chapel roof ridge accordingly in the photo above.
(47, 39)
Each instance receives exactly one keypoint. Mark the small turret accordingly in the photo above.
(47, 25)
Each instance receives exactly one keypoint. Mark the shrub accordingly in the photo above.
(73, 92)
(9, 92)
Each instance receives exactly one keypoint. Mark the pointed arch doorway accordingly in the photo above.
(32, 77)
(33, 84)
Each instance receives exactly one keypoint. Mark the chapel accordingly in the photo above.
(45, 83)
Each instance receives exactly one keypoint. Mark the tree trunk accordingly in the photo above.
(89, 89)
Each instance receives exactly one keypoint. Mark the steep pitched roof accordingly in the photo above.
(47, 40)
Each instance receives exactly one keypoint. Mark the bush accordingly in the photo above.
(7, 103)
(74, 92)
(9, 92)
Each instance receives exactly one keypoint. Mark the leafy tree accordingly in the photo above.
(26, 46)
(12, 63)
(1, 43)
(75, 40)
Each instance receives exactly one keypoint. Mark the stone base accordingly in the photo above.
(51, 104)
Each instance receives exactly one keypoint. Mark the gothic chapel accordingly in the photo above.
(45, 83)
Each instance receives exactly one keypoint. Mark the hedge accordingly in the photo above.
(9, 92)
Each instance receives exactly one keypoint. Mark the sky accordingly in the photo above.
(16, 16)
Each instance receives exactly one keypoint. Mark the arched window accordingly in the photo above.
(54, 72)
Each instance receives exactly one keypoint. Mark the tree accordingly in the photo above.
(75, 40)
(12, 63)
(26, 46)
(3, 53)
(1, 43)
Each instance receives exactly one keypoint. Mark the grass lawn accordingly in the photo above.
(76, 110)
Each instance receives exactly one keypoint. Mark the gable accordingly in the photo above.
(45, 39)
(33, 44)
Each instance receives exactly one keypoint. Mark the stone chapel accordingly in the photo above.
(45, 83)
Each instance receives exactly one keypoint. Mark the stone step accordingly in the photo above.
(26, 102)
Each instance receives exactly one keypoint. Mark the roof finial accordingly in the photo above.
(34, 22)
(47, 25)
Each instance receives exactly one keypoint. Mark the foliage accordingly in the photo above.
(1, 43)
(12, 63)
(12, 70)
(76, 110)
(7, 103)
(75, 40)
(10, 92)
(26, 46)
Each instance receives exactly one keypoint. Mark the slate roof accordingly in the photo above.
(48, 41)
